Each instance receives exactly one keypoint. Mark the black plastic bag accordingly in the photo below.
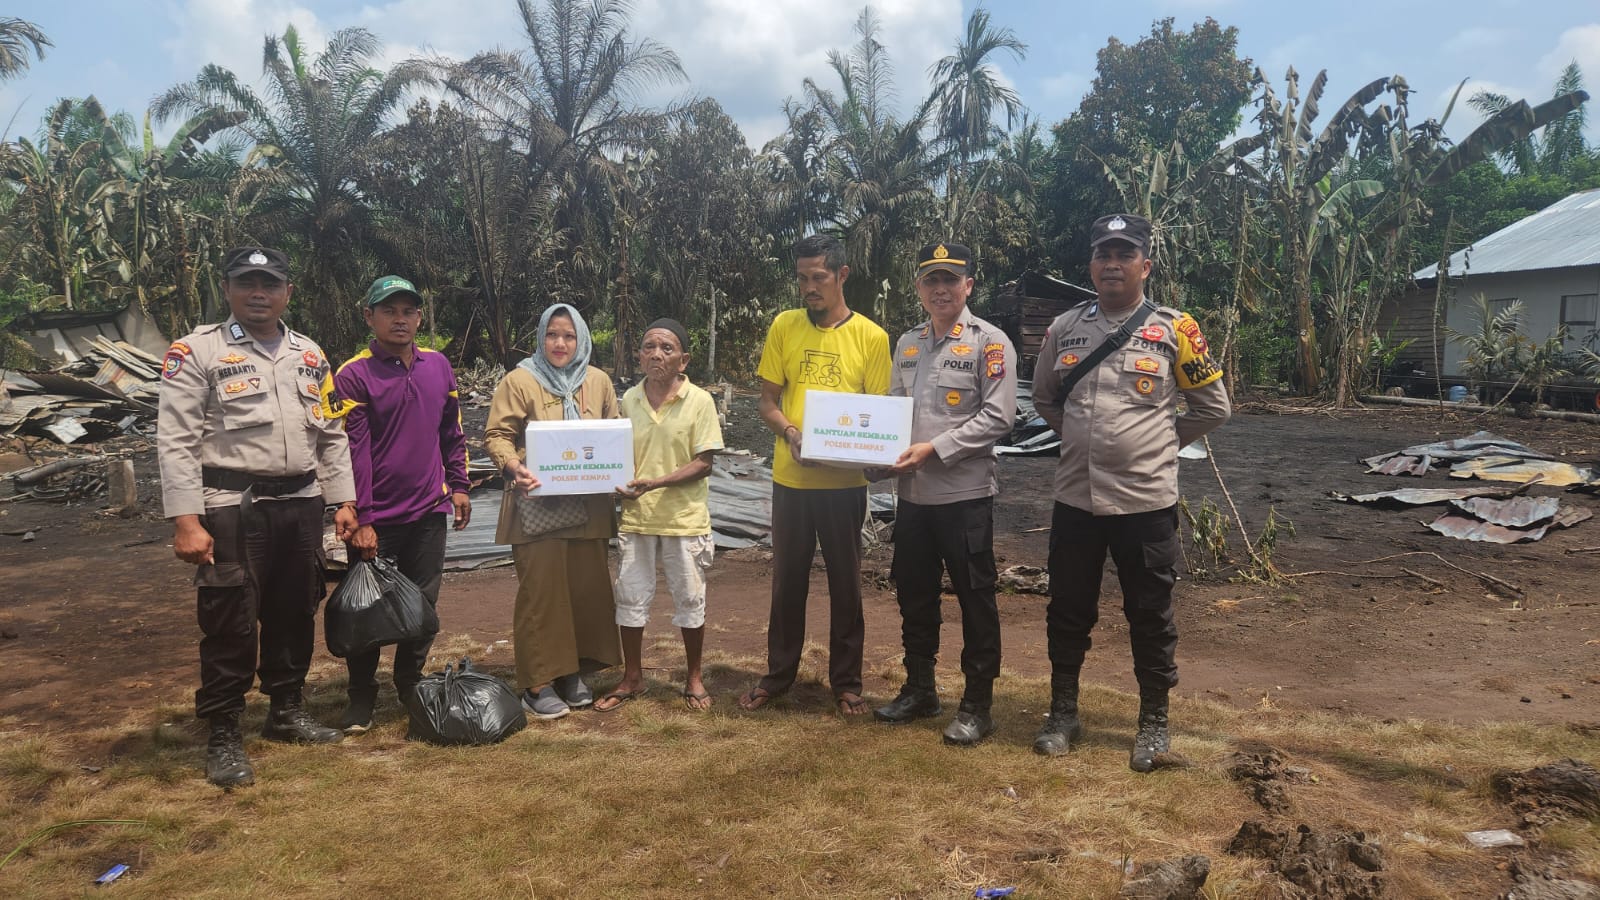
(376, 605)
(464, 706)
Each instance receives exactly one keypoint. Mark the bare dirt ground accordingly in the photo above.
(97, 623)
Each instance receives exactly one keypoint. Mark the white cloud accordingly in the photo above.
(1580, 44)
(1474, 40)
(750, 56)
(231, 33)
(442, 27)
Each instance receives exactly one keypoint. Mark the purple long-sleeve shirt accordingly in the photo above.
(406, 445)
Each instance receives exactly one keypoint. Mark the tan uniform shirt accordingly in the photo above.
(1119, 445)
(227, 403)
(963, 386)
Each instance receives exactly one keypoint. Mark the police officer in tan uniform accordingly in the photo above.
(248, 457)
(1116, 486)
(961, 373)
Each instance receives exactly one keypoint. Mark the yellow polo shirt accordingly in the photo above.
(851, 357)
(664, 441)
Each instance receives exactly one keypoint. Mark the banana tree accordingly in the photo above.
(1175, 194)
(166, 243)
(64, 203)
(1304, 200)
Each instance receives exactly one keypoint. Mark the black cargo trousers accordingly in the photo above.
(1145, 548)
(957, 538)
(261, 592)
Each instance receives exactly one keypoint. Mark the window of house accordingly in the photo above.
(1499, 307)
(1578, 313)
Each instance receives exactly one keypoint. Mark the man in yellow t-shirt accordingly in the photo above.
(664, 512)
(823, 347)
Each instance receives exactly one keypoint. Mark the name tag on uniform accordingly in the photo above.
(1146, 364)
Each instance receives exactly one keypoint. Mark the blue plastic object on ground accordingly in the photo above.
(111, 874)
(985, 893)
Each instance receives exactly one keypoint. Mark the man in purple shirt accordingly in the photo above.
(402, 415)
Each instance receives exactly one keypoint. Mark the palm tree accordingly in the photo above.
(880, 169)
(969, 87)
(566, 103)
(318, 119)
(793, 165)
(16, 36)
(1563, 140)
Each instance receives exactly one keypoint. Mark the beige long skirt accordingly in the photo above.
(565, 620)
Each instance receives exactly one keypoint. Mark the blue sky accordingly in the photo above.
(751, 54)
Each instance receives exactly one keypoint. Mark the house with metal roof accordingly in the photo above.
(1550, 261)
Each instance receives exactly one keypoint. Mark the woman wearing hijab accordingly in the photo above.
(565, 620)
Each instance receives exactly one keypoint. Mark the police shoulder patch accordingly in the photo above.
(994, 361)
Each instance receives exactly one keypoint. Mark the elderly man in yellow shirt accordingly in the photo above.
(664, 511)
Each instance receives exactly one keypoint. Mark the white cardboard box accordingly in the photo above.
(582, 456)
(855, 430)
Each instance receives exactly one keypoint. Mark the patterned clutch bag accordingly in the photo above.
(541, 515)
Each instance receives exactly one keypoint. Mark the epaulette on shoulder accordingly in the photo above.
(1073, 314)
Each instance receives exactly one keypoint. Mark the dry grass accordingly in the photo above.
(656, 801)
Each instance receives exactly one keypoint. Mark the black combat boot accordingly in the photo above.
(357, 716)
(1061, 727)
(971, 725)
(1152, 738)
(227, 766)
(288, 721)
(919, 698)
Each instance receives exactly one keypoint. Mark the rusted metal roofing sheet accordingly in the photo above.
(1424, 496)
(1466, 528)
(1570, 516)
(1563, 234)
(1477, 444)
(1499, 521)
(1512, 512)
(1399, 464)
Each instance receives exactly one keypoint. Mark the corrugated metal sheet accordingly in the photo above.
(1512, 512)
(1423, 496)
(1566, 233)
(475, 544)
(1466, 528)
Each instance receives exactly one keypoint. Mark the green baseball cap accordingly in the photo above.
(387, 287)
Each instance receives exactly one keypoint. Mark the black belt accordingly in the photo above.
(259, 485)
